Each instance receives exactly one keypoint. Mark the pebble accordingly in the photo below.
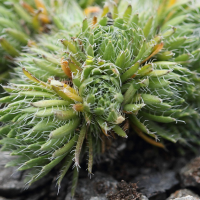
(190, 174)
(12, 181)
(154, 186)
(183, 194)
(96, 188)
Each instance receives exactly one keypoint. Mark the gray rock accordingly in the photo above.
(96, 188)
(2, 198)
(12, 181)
(187, 198)
(190, 174)
(31, 196)
(156, 184)
(143, 198)
(183, 194)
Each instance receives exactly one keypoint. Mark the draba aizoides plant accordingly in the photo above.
(22, 21)
(74, 92)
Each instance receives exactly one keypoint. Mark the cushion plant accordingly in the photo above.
(76, 88)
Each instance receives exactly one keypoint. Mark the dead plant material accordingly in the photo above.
(125, 191)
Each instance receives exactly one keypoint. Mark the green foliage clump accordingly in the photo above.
(76, 88)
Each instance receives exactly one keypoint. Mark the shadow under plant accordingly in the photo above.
(149, 173)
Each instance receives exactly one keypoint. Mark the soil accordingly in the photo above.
(125, 191)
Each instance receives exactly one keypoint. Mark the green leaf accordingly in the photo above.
(66, 129)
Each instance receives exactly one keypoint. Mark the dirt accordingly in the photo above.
(125, 191)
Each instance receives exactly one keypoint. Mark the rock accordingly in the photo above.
(32, 196)
(2, 198)
(143, 198)
(12, 181)
(190, 174)
(186, 198)
(156, 184)
(96, 188)
(183, 194)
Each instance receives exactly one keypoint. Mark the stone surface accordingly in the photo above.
(96, 188)
(12, 182)
(184, 193)
(32, 196)
(156, 184)
(190, 174)
(143, 198)
(187, 198)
